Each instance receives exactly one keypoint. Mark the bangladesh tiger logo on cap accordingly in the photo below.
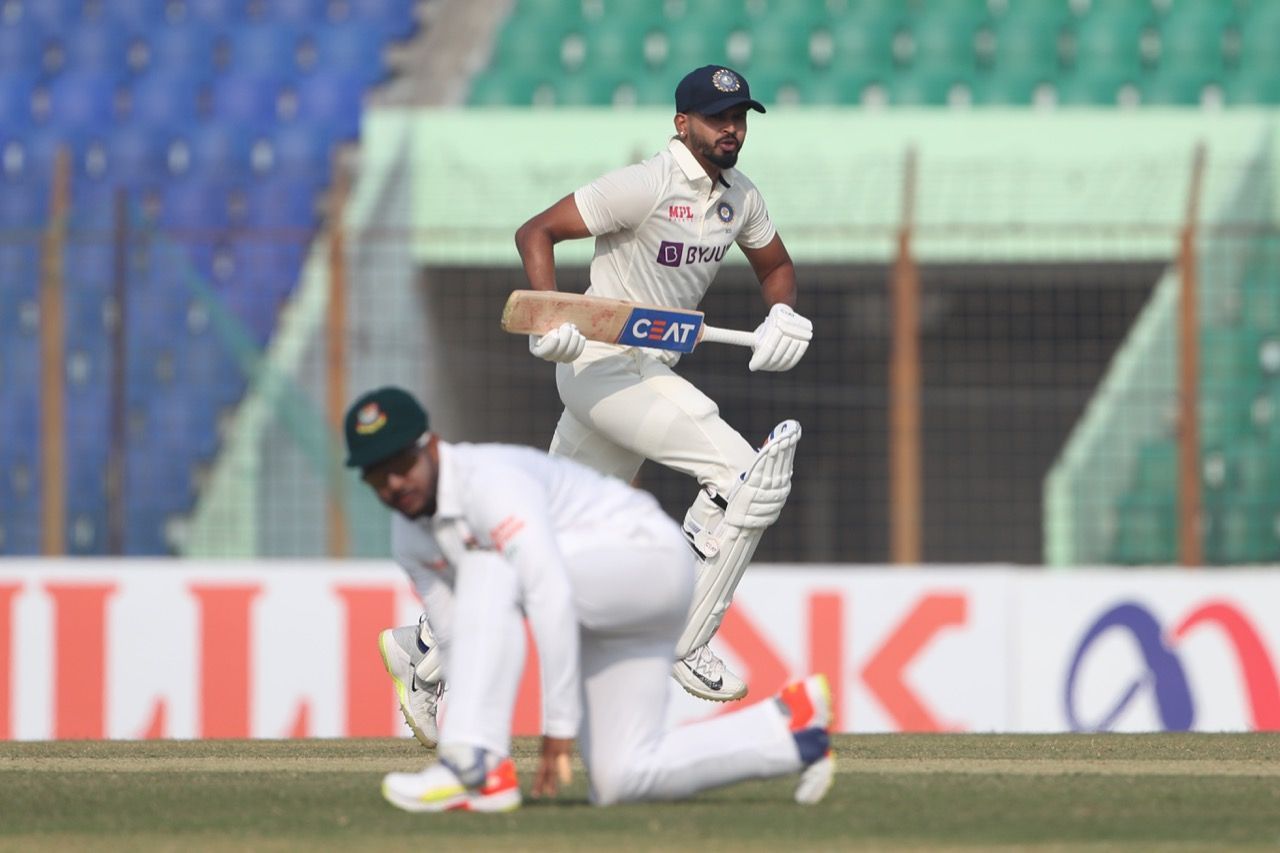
(370, 419)
(726, 81)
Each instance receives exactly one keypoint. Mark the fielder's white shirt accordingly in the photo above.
(532, 509)
(662, 227)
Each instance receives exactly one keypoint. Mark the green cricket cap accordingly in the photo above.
(380, 424)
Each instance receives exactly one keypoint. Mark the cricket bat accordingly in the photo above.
(614, 321)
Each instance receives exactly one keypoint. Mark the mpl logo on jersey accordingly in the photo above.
(658, 329)
(1208, 668)
(673, 254)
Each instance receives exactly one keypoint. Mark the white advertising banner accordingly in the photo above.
(269, 649)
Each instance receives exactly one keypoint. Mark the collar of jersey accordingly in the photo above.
(689, 164)
(448, 502)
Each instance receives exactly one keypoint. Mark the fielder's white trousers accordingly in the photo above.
(631, 599)
(623, 406)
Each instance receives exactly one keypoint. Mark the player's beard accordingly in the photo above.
(721, 159)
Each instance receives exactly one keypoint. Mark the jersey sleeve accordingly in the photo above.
(512, 518)
(757, 228)
(618, 200)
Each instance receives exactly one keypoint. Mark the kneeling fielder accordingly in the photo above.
(605, 580)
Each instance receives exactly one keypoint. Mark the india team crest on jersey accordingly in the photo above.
(724, 210)
(370, 419)
(726, 81)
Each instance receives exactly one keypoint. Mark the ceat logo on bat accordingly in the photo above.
(656, 329)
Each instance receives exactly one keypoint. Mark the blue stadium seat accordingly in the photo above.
(220, 12)
(332, 99)
(246, 99)
(265, 50)
(166, 100)
(298, 12)
(21, 47)
(140, 15)
(83, 100)
(212, 151)
(16, 89)
(52, 15)
(186, 49)
(194, 205)
(393, 17)
(127, 155)
(354, 49)
(281, 202)
(95, 47)
(302, 150)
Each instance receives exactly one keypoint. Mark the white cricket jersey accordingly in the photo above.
(662, 227)
(532, 509)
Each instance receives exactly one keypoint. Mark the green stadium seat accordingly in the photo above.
(1003, 88)
(1260, 303)
(615, 45)
(1113, 38)
(1155, 472)
(1146, 531)
(530, 46)
(1264, 413)
(586, 89)
(946, 38)
(862, 43)
(1193, 36)
(927, 87)
(829, 88)
(655, 89)
(1226, 412)
(1244, 534)
(1179, 87)
(1259, 44)
(1230, 354)
(1029, 43)
(1087, 86)
(780, 45)
(688, 48)
(1250, 86)
(506, 88)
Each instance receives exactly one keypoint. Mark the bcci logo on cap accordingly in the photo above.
(726, 81)
(370, 419)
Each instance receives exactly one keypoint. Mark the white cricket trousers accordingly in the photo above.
(631, 598)
(623, 406)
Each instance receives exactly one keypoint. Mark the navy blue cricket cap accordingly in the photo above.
(382, 423)
(713, 89)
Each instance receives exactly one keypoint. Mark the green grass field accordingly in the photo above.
(1120, 792)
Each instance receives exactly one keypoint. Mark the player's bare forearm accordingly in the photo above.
(775, 271)
(536, 240)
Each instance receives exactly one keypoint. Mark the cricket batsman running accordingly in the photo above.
(493, 534)
(662, 228)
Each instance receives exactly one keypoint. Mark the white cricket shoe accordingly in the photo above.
(816, 780)
(401, 650)
(438, 789)
(703, 674)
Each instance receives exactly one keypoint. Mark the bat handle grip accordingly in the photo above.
(716, 335)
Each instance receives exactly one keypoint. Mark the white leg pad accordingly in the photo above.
(431, 668)
(729, 542)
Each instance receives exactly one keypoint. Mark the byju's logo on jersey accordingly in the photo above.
(672, 254)
(658, 329)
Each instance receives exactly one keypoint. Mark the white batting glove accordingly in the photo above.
(780, 340)
(563, 344)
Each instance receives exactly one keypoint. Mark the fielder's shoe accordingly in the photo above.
(704, 675)
(402, 649)
(807, 705)
(438, 789)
